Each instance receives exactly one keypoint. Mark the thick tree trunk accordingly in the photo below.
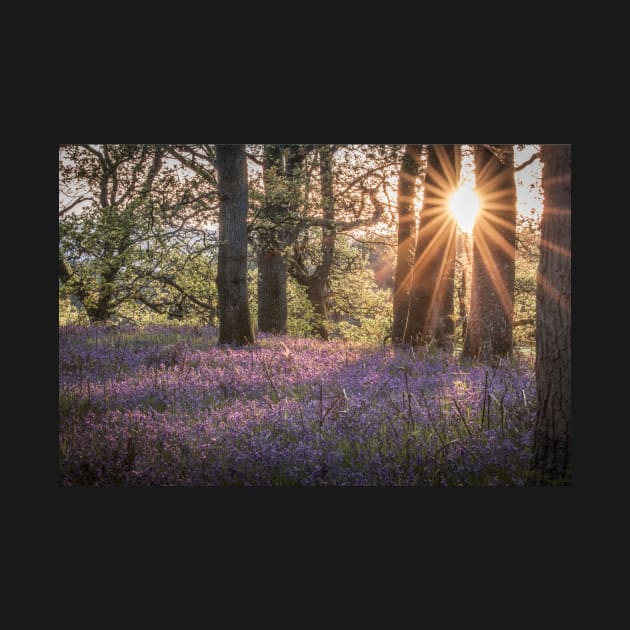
(445, 325)
(282, 179)
(272, 291)
(103, 309)
(409, 170)
(234, 318)
(318, 292)
(552, 438)
(272, 267)
(318, 283)
(489, 331)
(435, 248)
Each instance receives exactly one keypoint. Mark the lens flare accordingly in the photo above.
(464, 205)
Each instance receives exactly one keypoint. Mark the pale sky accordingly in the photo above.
(527, 197)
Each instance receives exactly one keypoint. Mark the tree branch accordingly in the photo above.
(168, 281)
(73, 204)
(525, 164)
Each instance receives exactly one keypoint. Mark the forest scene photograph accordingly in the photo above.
(314, 315)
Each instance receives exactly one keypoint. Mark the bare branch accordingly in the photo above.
(525, 164)
(254, 159)
(170, 282)
(91, 149)
(76, 202)
(524, 322)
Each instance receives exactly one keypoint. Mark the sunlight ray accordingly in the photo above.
(493, 236)
(485, 181)
(555, 247)
(489, 265)
(432, 244)
(492, 219)
(446, 164)
(553, 292)
(435, 192)
(440, 286)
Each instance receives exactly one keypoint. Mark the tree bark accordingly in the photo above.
(462, 246)
(272, 291)
(489, 331)
(430, 300)
(103, 309)
(282, 174)
(319, 289)
(234, 317)
(552, 437)
(272, 267)
(409, 170)
(443, 324)
(317, 283)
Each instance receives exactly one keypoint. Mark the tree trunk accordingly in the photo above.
(318, 283)
(409, 170)
(272, 267)
(272, 291)
(462, 245)
(489, 331)
(318, 292)
(552, 455)
(443, 324)
(282, 179)
(435, 248)
(102, 311)
(234, 318)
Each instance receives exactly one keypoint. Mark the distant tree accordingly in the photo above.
(133, 233)
(409, 169)
(432, 283)
(342, 208)
(552, 437)
(277, 227)
(490, 321)
(234, 317)
(117, 181)
(317, 282)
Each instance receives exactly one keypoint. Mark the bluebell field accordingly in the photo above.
(167, 406)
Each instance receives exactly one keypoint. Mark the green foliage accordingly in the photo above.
(361, 311)
(69, 313)
(300, 315)
(150, 250)
(527, 256)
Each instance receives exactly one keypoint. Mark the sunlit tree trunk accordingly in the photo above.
(430, 300)
(462, 245)
(409, 170)
(490, 323)
(552, 438)
(234, 318)
(443, 324)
